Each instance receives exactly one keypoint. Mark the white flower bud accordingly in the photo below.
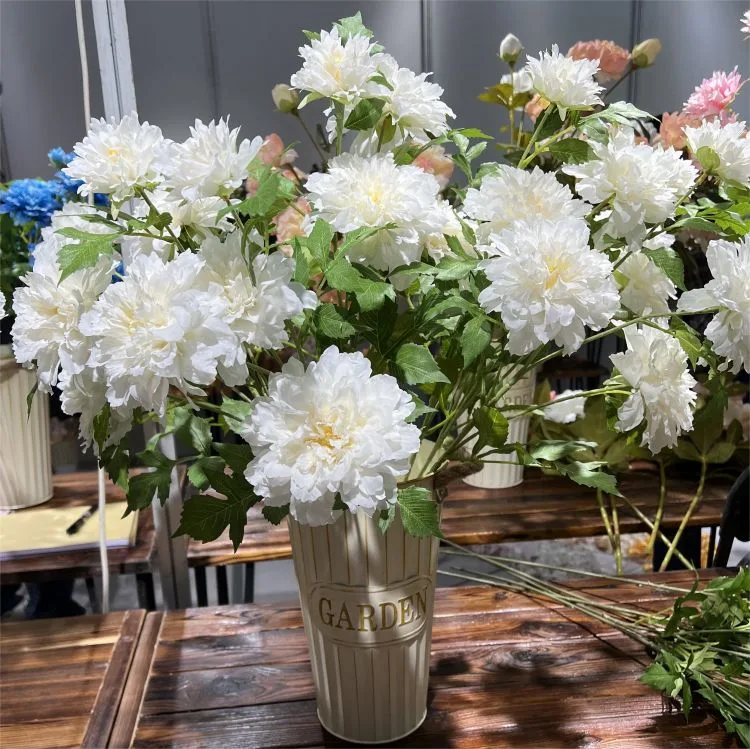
(510, 48)
(285, 98)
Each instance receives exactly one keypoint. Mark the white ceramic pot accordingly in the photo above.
(25, 462)
(509, 472)
(367, 603)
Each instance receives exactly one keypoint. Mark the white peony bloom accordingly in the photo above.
(157, 328)
(655, 365)
(330, 429)
(645, 183)
(563, 81)
(412, 101)
(209, 163)
(336, 69)
(84, 394)
(373, 191)
(548, 284)
(116, 158)
(565, 411)
(511, 194)
(256, 310)
(646, 287)
(729, 142)
(47, 330)
(729, 290)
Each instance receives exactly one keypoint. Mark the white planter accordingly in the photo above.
(25, 463)
(367, 603)
(510, 473)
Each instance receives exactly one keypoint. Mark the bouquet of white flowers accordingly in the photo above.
(360, 359)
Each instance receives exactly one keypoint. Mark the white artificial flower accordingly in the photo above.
(655, 366)
(511, 194)
(729, 290)
(210, 162)
(3, 312)
(47, 330)
(84, 394)
(646, 288)
(510, 48)
(158, 328)
(563, 81)
(567, 410)
(412, 101)
(729, 142)
(521, 82)
(336, 69)
(372, 192)
(548, 284)
(644, 182)
(257, 307)
(333, 428)
(116, 158)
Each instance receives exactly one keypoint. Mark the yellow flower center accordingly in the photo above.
(556, 269)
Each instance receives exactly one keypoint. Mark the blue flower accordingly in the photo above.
(59, 158)
(30, 201)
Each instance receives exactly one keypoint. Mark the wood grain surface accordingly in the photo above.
(61, 680)
(507, 671)
(542, 507)
(80, 489)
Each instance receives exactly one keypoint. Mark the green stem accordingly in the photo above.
(617, 549)
(660, 507)
(537, 129)
(686, 519)
(605, 518)
(315, 143)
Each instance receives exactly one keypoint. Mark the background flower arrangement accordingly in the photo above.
(418, 298)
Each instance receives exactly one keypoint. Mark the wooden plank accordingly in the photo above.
(108, 698)
(542, 507)
(44, 734)
(135, 685)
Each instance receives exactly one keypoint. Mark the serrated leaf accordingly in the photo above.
(236, 456)
(386, 518)
(205, 518)
(708, 159)
(234, 413)
(274, 193)
(552, 450)
(708, 424)
(197, 475)
(670, 263)
(620, 112)
(420, 409)
(352, 26)
(585, 475)
(30, 398)
(365, 115)
(319, 242)
(453, 269)
(301, 262)
(721, 452)
(76, 256)
(492, 426)
(685, 450)
(418, 365)
(420, 513)
(331, 323)
(342, 275)
(143, 486)
(572, 151)
(691, 345)
(275, 515)
(475, 338)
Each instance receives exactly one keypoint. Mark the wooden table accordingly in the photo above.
(74, 489)
(61, 680)
(542, 507)
(506, 672)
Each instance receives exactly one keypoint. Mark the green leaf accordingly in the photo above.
(690, 343)
(685, 450)
(475, 338)
(116, 461)
(386, 518)
(342, 275)
(197, 475)
(657, 677)
(331, 323)
(492, 426)
(721, 452)
(420, 513)
(452, 269)
(234, 413)
(30, 398)
(205, 518)
(548, 126)
(365, 114)
(585, 475)
(274, 193)
(418, 365)
(372, 294)
(275, 515)
(620, 112)
(352, 26)
(236, 456)
(572, 151)
(670, 264)
(708, 424)
(301, 262)
(75, 256)
(708, 159)
(551, 450)
(143, 486)
(319, 242)
(420, 409)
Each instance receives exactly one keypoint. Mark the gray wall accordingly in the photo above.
(206, 58)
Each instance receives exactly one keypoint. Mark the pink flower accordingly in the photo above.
(714, 94)
(434, 161)
(289, 222)
(672, 130)
(613, 59)
(535, 107)
(272, 152)
(746, 22)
